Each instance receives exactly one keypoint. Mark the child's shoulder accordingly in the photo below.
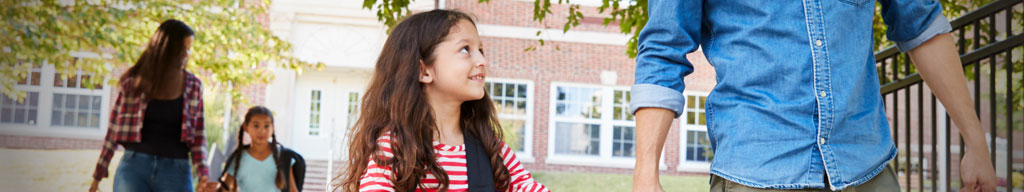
(384, 146)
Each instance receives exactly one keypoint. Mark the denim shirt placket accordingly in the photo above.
(822, 87)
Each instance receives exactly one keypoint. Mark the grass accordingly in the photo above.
(71, 170)
(560, 181)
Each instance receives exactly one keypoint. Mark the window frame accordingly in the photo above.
(526, 155)
(685, 165)
(607, 123)
(43, 126)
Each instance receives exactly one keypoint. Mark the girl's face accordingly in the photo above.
(459, 66)
(260, 128)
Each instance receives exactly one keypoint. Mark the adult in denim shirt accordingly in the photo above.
(797, 104)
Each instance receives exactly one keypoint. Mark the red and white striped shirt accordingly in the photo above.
(452, 159)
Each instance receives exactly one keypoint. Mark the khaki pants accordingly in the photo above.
(884, 181)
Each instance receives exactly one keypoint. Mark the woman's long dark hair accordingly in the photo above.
(395, 102)
(164, 55)
(280, 180)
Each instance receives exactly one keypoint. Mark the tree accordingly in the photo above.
(231, 48)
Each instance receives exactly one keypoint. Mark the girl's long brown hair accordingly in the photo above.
(395, 102)
(164, 55)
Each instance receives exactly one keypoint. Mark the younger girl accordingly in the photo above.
(427, 124)
(255, 167)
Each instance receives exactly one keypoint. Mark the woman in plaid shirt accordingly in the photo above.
(157, 118)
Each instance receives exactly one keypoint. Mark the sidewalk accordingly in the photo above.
(51, 170)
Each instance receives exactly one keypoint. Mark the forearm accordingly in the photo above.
(939, 65)
(652, 126)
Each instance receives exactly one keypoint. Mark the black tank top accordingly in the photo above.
(161, 130)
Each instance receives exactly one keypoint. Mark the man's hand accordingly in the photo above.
(652, 125)
(977, 172)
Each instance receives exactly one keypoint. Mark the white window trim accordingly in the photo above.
(320, 114)
(684, 165)
(526, 156)
(43, 127)
(607, 123)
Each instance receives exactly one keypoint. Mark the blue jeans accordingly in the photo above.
(145, 172)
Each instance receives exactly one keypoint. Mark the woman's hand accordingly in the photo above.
(95, 186)
(207, 186)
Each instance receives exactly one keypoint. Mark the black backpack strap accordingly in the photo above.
(286, 156)
(478, 165)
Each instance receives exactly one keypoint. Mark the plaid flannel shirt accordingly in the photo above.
(126, 124)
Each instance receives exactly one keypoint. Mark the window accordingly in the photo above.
(578, 121)
(68, 104)
(23, 112)
(71, 110)
(353, 108)
(514, 107)
(314, 113)
(591, 126)
(694, 144)
(623, 142)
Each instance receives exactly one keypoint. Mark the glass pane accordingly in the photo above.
(70, 101)
(96, 103)
(702, 101)
(23, 80)
(561, 94)
(510, 90)
(83, 119)
(701, 118)
(617, 134)
(689, 118)
(35, 78)
(56, 118)
(69, 118)
(618, 97)
(487, 87)
(689, 138)
(689, 101)
(19, 115)
(32, 113)
(6, 115)
(94, 120)
(628, 147)
(559, 109)
(58, 100)
(32, 99)
(72, 81)
(58, 80)
(83, 79)
(521, 107)
(8, 101)
(617, 113)
(499, 89)
(510, 106)
(629, 134)
(575, 138)
(521, 91)
(83, 102)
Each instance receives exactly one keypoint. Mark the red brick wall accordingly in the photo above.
(566, 62)
(30, 142)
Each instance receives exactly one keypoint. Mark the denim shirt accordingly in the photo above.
(797, 94)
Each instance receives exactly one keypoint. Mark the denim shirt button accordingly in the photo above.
(821, 141)
(817, 42)
(822, 93)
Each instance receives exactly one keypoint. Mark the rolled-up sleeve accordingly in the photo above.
(672, 31)
(910, 23)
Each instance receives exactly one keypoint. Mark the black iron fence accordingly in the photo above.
(990, 46)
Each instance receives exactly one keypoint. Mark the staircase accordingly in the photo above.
(316, 176)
